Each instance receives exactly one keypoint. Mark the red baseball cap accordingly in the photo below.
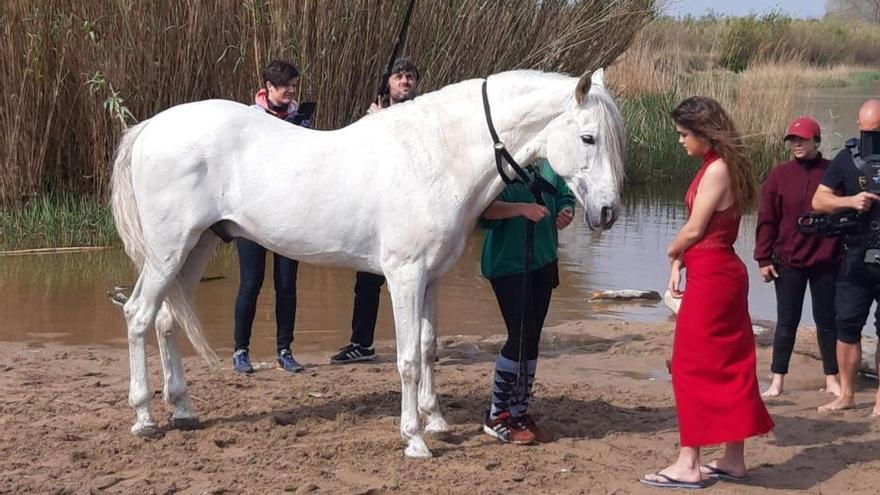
(804, 128)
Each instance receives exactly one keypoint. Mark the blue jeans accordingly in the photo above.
(252, 270)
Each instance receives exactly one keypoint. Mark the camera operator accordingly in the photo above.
(846, 186)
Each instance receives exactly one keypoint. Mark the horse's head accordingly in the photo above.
(585, 146)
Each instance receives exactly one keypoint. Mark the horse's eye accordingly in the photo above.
(588, 139)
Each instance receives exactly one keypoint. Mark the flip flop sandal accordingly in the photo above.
(720, 474)
(671, 482)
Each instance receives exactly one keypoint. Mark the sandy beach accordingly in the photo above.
(601, 393)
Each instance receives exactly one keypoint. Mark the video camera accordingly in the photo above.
(866, 156)
(870, 154)
(828, 225)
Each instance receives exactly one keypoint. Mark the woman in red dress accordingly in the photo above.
(713, 355)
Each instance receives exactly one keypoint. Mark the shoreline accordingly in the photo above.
(600, 393)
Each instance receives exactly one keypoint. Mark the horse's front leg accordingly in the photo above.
(407, 287)
(428, 403)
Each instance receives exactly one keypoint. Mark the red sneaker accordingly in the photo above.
(529, 423)
(508, 430)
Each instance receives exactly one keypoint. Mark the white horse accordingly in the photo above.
(394, 193)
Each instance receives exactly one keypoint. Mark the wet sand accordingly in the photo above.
(601, 393)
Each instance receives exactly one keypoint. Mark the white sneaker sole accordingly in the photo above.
(353, 360)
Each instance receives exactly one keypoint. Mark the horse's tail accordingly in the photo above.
(123, 202)
(128, 225)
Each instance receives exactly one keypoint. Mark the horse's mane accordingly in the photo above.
(613, 135)
(516, 82)
(613, 132)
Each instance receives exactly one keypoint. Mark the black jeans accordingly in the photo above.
(529, 314)
(366, 307)
(252, 270)
(790, 288)
(858, 286)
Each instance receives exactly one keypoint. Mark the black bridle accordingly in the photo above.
(534, 182)
(536, 185)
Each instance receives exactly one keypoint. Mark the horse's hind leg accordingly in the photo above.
(183, 417)
(140, 313)
(407, 288)
(428, 403)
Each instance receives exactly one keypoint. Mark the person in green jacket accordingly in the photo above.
(503, 263)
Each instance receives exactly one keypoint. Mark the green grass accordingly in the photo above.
(62, 220)
(866, 77)
(653, 153)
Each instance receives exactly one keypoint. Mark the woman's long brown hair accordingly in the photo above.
(707, 119)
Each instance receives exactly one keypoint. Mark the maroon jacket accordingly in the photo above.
(786, 195)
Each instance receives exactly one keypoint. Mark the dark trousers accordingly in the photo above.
(366, 308)
(252, 270)
(858, 286)
(790, 289)
(528, 314)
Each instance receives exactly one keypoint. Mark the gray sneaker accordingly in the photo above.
(353, 353)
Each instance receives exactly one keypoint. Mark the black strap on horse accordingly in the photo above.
(395, 52)
(536, 185)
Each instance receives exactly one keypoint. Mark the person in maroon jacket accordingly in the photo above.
(791, 259)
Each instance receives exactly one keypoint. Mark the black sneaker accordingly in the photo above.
(353, 353)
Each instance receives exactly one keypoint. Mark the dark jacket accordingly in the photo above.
(785, 196)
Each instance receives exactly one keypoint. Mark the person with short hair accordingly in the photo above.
(845, 187)
(402, 86)
(717, 399)
(791, 259)
(277, 97)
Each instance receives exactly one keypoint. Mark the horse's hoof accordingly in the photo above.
(186, 423)
(436, 425)
(418, 450)
(146, 430)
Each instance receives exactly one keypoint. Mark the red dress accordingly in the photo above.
(713, 354)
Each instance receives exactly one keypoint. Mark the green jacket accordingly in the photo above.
(504, 247)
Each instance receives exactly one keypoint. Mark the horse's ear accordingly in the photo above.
(598, 78)
(583, 87)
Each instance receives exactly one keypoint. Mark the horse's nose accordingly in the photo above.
(608, 217)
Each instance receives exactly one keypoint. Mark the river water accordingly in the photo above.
(63, 297)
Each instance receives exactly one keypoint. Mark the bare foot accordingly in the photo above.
(838, 404)
(832, 385)
(773, 391)
(876, 412)
(777, 385)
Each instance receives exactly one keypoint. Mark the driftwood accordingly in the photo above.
(624, 295)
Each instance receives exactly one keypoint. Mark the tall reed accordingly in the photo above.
(56, 220)
(74, 72)
(671, 60)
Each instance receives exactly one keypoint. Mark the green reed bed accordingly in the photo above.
(57, 221)
(753, 65)
(75, 72)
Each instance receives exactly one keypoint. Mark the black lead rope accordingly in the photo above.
(537, 185)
